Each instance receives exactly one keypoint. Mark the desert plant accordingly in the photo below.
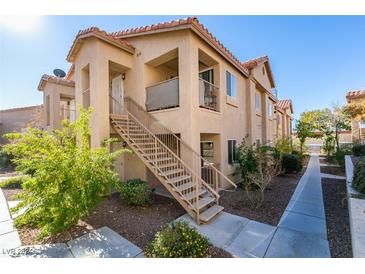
(68, 177)
(178, 240)
(291, 163)
(329, 145)
(358, 181)
(135, 192)
(245, 155)
(268, 166)
(13, 182)
(358, 150)
(283, 145)
(5, 159)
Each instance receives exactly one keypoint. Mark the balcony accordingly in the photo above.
(208, 95)
(163, 95)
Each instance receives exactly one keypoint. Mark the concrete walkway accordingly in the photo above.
(302, 231)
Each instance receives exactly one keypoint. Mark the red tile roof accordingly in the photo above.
(96, 32)
(36, 107)
(53, 79)
(285, 104)
(250, 64)
(355, 94)
(190, 22)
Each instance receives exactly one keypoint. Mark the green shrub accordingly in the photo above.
(291, 163)
(5, 160)
(358, 181)
(340, 155)
(178, 240)
(135, 192)
(358, 150)
(283, 145)
(13, 182)
(68, 178)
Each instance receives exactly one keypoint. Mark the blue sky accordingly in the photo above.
(315, 59)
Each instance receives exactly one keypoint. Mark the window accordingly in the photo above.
(269, 110)
(230, 84)
(232, 152)
(258, 142)
(263, 70)
(257, 101)
(207, 75)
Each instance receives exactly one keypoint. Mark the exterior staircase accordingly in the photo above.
(197, 196)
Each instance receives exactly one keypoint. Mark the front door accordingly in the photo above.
(117, 94)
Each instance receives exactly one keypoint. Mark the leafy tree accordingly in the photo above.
(356, 110)
(306, 126)
(67, 177)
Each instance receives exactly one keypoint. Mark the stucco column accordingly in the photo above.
(54, 108)
(99, 100)
(189, 98)
(251, 112)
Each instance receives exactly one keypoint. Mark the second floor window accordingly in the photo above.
(257, 101)
(269, 110)
(230, 84)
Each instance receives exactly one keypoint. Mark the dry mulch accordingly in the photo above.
(337, 217)
(9, 193)
(277, 197)
(339, 171)
(137, 224)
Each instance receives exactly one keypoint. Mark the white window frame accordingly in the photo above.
(257, 101)
(231, 90)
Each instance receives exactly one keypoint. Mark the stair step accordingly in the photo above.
(210, 213)
(185, 186)
(168, 165)
(203, 202)
(143, 144)
(154, 154)
(173, 171)
(180, 178)
(160, 160)
(192, 195)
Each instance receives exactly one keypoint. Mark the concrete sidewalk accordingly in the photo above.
(302, 231)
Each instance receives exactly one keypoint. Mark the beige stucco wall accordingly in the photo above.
(18, 119)
(356, 132)
(55, 92)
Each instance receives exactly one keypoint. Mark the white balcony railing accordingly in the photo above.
(163, 95)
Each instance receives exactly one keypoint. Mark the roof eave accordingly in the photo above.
(79, 40)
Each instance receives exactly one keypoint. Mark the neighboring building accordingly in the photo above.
(18, 119)
(357, 127)
(284, 118)
(172, 93)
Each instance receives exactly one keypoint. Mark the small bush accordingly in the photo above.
(13, 182)
(135, 192)
(358, 181)
(5, 160)
(178, 240)
(283, 145)
(358, 150)
(291, 163)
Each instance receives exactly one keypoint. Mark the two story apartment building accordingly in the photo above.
(175, 96)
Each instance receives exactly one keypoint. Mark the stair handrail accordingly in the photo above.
(194, 174)
(128, 99)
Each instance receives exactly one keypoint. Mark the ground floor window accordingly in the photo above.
(232, 151)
